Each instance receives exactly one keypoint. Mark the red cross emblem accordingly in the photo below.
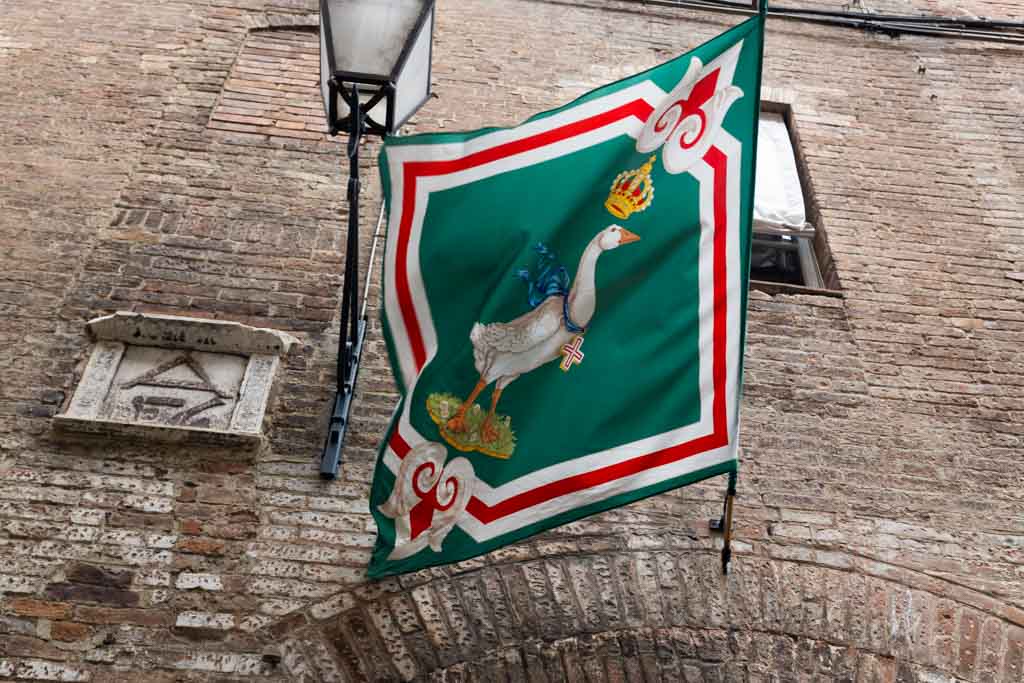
(571, 353)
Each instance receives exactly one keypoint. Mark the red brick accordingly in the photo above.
(226, 467)
(83, 592)
(1013, 660)
(140, 520)
(201, 546)
(29, 607)
(102, 576)
(968, 632)
(21, 646)
(945, 647)
(110, 615)
(235, 118)
(69, 631)
(283, 131)
(193, 527)
(240, 127)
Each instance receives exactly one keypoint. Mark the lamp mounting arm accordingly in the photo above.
(352, 333)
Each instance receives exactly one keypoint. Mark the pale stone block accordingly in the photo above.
(16, 584)
(41, 669)
(333, 606)
(179, 332)
(96, 381)
(209, 661)
(177, 379)
(155, 577)
(259, 375)
(206, 582)
(220, 620)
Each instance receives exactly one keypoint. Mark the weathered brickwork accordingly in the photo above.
(274, 87)
(170, 158)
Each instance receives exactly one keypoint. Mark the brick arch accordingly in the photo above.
(277, 21)
(272, 90)
(661, 614)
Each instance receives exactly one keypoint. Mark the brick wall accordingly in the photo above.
(169, 158)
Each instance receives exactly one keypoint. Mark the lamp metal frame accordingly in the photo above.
(352, 332)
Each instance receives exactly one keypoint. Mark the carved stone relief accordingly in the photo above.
(174, 378)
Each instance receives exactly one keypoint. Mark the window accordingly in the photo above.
(789, 249)
(784, 258)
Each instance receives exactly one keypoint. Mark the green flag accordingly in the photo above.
(564, 307)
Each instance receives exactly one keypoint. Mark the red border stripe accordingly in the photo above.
(719, 436)
(720, 164)
(417, 169)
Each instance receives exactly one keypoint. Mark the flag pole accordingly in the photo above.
(730, 496)
(724, 523)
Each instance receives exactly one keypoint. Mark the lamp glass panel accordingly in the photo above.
(368, 35)
(413, 84)
(378, 113)
(325, 71)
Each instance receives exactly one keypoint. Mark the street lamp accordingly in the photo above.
(374, 75)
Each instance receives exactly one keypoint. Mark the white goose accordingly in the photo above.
(504, 351)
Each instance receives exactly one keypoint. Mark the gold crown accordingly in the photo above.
(631, 191)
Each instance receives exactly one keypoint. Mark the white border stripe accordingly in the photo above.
(492, 496)
(398, 155)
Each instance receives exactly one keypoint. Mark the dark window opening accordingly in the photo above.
(784, 258)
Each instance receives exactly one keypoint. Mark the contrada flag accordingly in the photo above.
(564, 306)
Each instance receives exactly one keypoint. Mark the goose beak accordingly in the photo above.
(626, 236)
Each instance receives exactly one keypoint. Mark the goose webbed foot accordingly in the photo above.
(488, 434)
(457, 424)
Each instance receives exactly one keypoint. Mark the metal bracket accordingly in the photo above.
(330, 462)
(353, 320)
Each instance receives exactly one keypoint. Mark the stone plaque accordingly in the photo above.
(174, 378)
(185, 388)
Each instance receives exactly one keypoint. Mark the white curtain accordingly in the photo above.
(778, 199)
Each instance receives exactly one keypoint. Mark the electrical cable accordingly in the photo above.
(999, 31)
(918, 18)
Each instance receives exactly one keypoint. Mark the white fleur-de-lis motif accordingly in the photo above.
(428, 499)
(687, 121)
